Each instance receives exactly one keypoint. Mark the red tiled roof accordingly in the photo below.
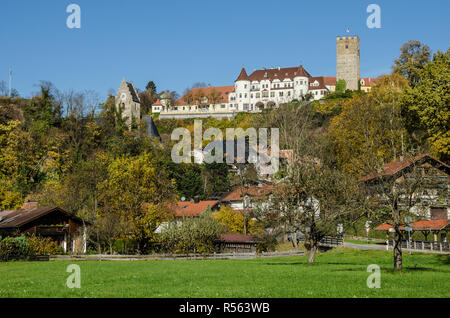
(253, 191)
(369, 81)
(188, 208)
(321, 82)
(383, 227)
(434, 225)
(242, 76)
(281, 73)
(329, 80)
(157, 103)
(394, 167)
(223, 90)
(238, 238)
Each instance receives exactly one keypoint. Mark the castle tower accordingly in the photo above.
(127, 98)
(347, 61)
(242, 89)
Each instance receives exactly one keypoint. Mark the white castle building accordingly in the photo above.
(266, 88)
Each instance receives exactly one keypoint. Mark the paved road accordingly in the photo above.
(366, 246)
(383, 248)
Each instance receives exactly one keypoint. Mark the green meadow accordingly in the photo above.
(338, 273)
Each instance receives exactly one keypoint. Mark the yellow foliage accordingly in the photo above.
(234, 221)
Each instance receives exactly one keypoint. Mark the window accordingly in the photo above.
(240, 95)
(281, 94)
(245, 86)
(251, 95)
(245, 95)
(289, 93)
(257, 95)
(272, 94)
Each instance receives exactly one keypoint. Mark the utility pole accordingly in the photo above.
(10, 82)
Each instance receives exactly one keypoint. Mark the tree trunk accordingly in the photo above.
(312, 253)
(397, 250)
(294, 239)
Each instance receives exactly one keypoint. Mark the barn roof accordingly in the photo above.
(394, 167)
(18, 218)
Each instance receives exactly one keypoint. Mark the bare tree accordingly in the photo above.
(311, 198)
(3, 89)
(398, 198)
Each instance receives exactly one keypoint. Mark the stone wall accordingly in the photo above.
(348, 61)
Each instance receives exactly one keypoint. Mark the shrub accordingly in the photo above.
(198, 235)
(124, 246)
(13, 248)
(43, 246)
(266, 243)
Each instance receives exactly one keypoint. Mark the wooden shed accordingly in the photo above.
(66, 229)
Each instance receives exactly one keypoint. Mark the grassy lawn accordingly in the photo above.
(337, 273)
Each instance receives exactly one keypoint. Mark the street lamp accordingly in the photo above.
(367, 226)
(246, 205)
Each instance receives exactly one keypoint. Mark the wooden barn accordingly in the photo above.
(66, 229)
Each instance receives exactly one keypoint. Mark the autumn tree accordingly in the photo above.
(214, 97)
(370, 129)
(234, 221)
(426, 106)
(413, 58)
(131, 182)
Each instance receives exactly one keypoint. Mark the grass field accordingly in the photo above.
(337, 273)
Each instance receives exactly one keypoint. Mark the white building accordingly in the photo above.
(264, 88)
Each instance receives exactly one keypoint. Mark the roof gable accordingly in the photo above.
(18, 218)
(395, 167)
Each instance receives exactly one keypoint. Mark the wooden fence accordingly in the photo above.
(424, 245)
(153, 257)
(330, 241)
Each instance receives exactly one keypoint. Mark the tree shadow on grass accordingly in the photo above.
(444, 259)
(315, 263)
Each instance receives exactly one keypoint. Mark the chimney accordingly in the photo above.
(196, 199)
(30, 204)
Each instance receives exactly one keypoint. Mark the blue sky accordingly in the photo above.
(176, 43)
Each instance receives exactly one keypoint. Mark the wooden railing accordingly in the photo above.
(424, 245)
(331, 241)
(151, 257)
